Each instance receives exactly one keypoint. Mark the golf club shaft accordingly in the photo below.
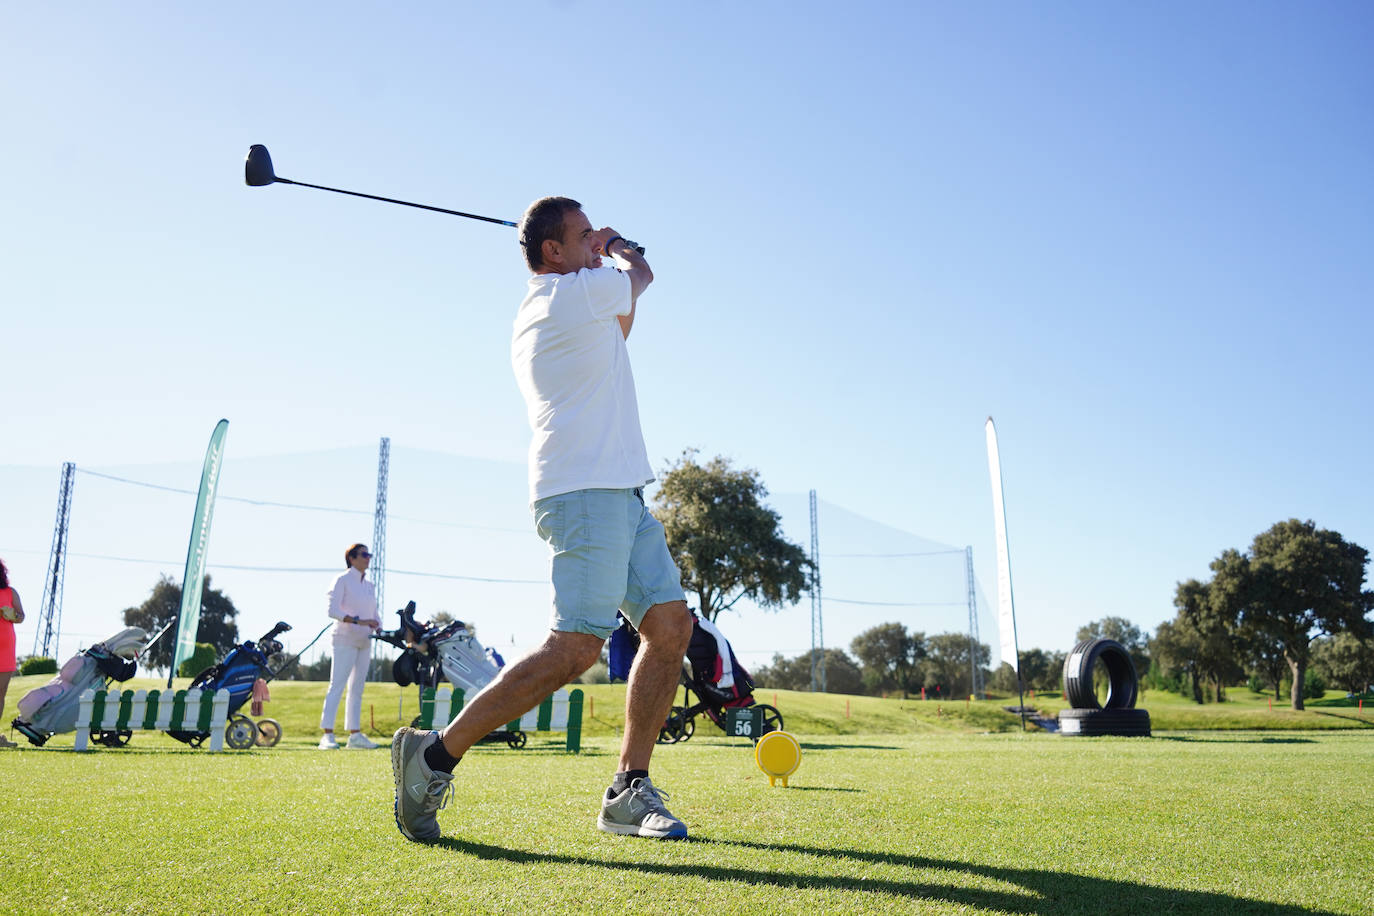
(404, 203)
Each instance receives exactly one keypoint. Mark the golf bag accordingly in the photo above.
(710, 670)
(432, 654)
(237, 672)
(51, 709)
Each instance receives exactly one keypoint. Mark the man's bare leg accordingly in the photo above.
(664, 633)
(522, 686)
(422, 788)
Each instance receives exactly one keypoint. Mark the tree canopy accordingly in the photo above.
(1346, 660)
(890, 658)
(841, 673)
(1262, 609)
(949, 661)
(1298, 582)
(725, 541)
(1040, 670)
(217, 620)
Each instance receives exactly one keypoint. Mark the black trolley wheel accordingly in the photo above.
(240, 732)
(772, 719)
(269, 732)
(679, 726)
(517, 740)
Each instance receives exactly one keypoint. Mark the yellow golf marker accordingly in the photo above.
(778, 754)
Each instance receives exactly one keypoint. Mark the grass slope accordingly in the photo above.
(924, 809)
(296, 704)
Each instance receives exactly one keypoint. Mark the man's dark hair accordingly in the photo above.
(543, 221)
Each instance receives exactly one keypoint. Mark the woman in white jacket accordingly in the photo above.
(353, 603)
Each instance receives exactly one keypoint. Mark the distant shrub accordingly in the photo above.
(37, 664)
(1313, 686)
(318, 670)
(1157, 679)
(202, 658)
(596, 674)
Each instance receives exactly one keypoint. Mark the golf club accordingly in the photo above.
(257, 172)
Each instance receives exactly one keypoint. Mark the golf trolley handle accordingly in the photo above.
(160, 633)
(297, 656)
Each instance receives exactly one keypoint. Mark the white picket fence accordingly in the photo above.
(191, 710)
(561, 711)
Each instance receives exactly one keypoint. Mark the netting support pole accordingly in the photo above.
(817, 631)
(975, 670)
(49, 630)
(378, 566)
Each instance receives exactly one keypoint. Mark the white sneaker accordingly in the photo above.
(327, 743)
(360, 742)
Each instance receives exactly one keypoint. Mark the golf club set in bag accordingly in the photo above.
(432, 653)
(712, 681)
(54, 707)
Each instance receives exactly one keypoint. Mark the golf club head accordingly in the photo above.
(257, 168)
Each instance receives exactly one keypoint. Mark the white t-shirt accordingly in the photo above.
(573, 369)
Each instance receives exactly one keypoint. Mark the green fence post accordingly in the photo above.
(150, 710)
(427, 708)
(97, 710)
(575, 721)
(207, 710)
(545, 718)
(126, 709)
(179, 711)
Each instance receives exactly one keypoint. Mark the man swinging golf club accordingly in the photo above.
(587, 469)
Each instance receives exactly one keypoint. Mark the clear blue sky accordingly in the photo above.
(1138, 236)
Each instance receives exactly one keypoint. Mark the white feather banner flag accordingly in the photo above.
(1006, 610)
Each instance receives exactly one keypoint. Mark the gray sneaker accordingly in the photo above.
(420, 792)
(639, 811)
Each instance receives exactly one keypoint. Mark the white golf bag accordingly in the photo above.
(51, 709)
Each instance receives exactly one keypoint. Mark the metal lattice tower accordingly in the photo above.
(817, 634)
(378, 567)
(976, 672)
(50, 615)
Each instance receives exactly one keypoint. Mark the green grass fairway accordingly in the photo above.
(919, 812)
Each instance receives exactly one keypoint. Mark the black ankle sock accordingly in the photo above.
(438, 759)
(621, 781)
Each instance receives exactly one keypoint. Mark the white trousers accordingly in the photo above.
(349, 665)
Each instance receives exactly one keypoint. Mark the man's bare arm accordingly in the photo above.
(628, 259)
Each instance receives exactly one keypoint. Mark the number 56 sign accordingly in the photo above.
(744, 722)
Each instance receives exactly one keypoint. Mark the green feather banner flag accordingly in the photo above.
(188, 622)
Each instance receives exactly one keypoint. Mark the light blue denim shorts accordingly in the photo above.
(609, 553)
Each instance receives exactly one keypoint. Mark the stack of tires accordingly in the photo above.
(1116, 715)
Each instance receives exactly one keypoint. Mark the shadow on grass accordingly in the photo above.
(1355, 721)
(1349, 702)
(551, 751)
(809, 746)
(1041, 891)
(1261, 740)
